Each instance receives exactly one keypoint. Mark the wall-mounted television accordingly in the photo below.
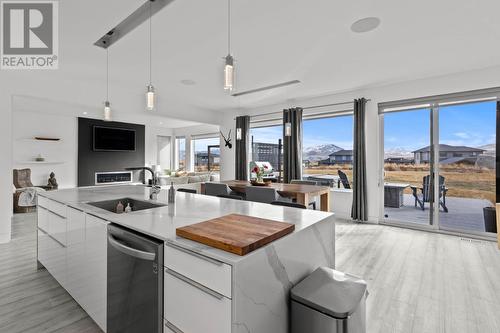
(113, 139)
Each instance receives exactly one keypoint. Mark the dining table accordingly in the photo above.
(302, 193)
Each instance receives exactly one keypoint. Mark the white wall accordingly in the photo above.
(472, 80)
(227, 156)
(26, 125)
(152, 134)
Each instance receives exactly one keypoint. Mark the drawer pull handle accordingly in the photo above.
(194, 284)
(55, 240)
(59, 215)
(51, 237)
(172, 327)
(180, 248)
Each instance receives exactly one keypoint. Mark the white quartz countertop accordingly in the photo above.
(188, 209)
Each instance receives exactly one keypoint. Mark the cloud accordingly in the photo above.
(462, 135)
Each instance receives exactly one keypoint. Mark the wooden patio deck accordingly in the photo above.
(464, 214)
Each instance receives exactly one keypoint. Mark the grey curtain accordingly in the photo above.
(241, 162)
(359, 205)
(292, 145)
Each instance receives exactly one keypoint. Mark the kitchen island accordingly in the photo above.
(205, 289)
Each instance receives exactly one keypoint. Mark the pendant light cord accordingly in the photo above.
(107, 74)
(150, 41)
(228, 26)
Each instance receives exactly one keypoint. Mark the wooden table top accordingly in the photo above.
(240, 185)
(236, 233)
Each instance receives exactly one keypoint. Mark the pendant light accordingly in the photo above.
(229, 60)
(288, 129)
(150, 92)
(107, 105)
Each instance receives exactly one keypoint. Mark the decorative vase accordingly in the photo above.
(260, 179)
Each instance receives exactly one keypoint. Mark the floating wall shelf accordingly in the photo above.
(42, 162)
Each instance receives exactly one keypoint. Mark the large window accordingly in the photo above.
(439, 165)
(180, 153)
(206, 153)
(266, 145)
(327, 149)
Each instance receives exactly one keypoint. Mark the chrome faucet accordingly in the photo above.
(155, 187)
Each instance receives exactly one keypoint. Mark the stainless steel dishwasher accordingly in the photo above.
(135, 282)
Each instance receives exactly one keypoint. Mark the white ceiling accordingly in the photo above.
(273, 41)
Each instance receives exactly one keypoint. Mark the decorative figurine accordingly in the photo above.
(52, 184)
(228, 140)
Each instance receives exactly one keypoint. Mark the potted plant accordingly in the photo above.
(490, 219)
(259, 173)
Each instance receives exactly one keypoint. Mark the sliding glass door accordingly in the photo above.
(439, 164)
(467, 155)
(408, 161)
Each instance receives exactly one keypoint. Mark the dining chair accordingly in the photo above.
(216, 189)
(306, 182)
(186, 190)
(230, 196)
(261, 194)
(288, 204)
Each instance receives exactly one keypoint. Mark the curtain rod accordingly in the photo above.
(305, 108)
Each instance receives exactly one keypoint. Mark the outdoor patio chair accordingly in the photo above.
(427, 193)
(344, 180)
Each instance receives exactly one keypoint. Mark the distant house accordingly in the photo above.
(448, 154)
(341, 157)
(399, 160)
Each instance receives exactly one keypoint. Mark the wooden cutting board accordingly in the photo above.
(239, 234)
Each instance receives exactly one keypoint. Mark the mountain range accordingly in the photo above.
(320, 152)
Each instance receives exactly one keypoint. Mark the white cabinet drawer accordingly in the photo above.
(57, 208)
(56, 260)
(57, 227)
(206, 271)
(192, 308)
(75, 226)
(42, 201)
(95, 265)
(43, 247)
(43, 218)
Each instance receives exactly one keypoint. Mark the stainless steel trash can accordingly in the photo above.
(329, 301)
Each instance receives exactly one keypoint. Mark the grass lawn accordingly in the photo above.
(462, 180)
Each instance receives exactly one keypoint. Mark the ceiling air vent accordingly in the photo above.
(274, 86)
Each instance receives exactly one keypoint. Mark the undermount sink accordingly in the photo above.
(110, 205)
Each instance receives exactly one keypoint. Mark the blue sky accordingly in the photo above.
(200, 145)
(461, 125)
(471, 125)
(338, 130)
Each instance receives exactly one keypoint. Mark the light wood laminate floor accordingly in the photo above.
(31, 300)
(418, 282)
(423, 282)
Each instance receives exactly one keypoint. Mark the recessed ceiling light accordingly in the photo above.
(85, 113)
(161, 122)
(188, 82)
(365, 24)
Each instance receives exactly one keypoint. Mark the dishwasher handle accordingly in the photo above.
(150, 256)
